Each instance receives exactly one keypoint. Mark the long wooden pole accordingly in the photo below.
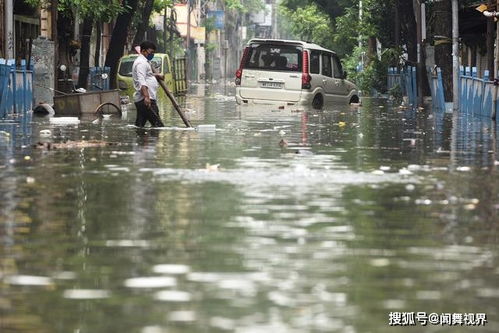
(174, 102)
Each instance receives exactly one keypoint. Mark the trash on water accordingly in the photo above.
(65, 121)
(212, 167)
(30, 180)
(45, 133)
(341, 124)
(282, 133)
(74, 144)
(207, 128)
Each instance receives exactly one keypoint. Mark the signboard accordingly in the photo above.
(219, 16)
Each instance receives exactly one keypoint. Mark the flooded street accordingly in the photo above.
(279, 221)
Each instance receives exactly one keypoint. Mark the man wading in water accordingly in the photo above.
(145, 82)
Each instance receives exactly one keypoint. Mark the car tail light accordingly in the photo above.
(239, 72)
(305, 76)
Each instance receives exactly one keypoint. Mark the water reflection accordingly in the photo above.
(361, 212)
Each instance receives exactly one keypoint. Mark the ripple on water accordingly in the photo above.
(151, 282)
(182, 316)
(171, 269)
(173, 296)
(28, 280)
(86, 294)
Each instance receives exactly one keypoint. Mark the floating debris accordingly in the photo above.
(74, 144)
(45, 133)
(64, 121)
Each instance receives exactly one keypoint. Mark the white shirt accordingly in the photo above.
(143, 75)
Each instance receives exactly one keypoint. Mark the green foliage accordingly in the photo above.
(244, 6)
(103, 10)
(160, 5)
(309, 24)
(209, 24)
(374, 73)
(210, 47)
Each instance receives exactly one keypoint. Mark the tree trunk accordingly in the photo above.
(2, 52)
(146, 13)
(88, 24)
(408, 28)
(118, 40)
(397, 24)
(490, 41)
(98, 31)
(443, 50)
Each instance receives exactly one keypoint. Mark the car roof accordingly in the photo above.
(306, 45)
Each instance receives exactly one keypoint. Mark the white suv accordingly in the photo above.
(292, 72)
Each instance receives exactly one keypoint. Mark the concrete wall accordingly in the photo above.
(43, 61)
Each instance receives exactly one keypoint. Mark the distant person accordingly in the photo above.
(145, 82)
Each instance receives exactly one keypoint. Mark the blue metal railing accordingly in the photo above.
(16, 100)
(405, 78)
(478, 96)
(96, 79)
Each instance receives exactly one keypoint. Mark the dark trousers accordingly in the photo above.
(145, 114)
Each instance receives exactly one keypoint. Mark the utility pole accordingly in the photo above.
(419, 65)
(496, 67)
(225, 47)
(455, 56)
(9, 29)
(188, 41)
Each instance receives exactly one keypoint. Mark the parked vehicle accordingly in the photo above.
(175, 77)
(292, 72)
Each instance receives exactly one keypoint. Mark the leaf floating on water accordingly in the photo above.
(342, 124)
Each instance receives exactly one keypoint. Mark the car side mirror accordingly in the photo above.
(344, 74)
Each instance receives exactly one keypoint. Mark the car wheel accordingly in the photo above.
(318, 101)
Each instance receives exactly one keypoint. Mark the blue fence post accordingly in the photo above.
(4, 82)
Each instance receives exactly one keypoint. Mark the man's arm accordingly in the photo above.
(141, 78)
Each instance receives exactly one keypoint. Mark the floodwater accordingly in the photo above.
(279, 221)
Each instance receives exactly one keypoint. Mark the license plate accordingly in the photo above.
(272, 85)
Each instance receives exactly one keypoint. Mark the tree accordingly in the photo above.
(119, 39)
(442, 28)
(144, 22)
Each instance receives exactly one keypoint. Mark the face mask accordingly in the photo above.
(150, 56)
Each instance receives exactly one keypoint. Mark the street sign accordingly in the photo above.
(219, 16)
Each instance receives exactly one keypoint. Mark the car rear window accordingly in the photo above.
(127, 63)
(274, 57)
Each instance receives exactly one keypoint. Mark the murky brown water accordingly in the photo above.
(280, 221)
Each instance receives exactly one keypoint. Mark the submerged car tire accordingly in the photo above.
(318, 102)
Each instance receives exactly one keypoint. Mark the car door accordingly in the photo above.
(341, 88)
(327, 77)
(315, 70)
